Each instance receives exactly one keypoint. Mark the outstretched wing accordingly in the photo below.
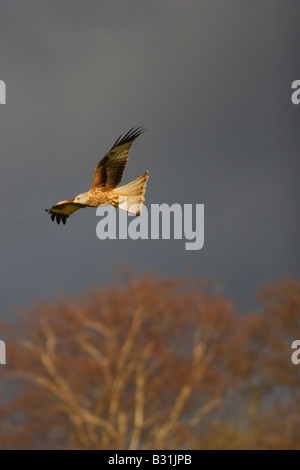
(62, 210)
(109, 171)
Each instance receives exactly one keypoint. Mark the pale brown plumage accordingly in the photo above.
(107, 177)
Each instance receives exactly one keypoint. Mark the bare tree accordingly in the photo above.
(124, 368)
(155, 364)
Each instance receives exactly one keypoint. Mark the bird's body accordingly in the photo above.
(105, 187)
(97, 197)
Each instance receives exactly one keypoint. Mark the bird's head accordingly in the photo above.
(80, 199)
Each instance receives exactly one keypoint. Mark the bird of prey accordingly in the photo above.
(107, 177)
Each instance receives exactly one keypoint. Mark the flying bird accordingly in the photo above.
(105, 187)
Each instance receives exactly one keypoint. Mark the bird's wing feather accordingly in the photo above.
(109, 171)
(62, 210)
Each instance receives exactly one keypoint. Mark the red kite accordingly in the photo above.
(104, 190)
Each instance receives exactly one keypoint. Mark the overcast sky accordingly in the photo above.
(210, 80)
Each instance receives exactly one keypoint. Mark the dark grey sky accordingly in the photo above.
(211, 80)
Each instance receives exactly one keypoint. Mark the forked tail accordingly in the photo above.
(131, 196)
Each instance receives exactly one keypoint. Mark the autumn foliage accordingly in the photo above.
(154, 364)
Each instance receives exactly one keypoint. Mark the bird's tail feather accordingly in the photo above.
(131, 196)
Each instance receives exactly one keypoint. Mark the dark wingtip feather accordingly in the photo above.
(130, 136)
(57, 217)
